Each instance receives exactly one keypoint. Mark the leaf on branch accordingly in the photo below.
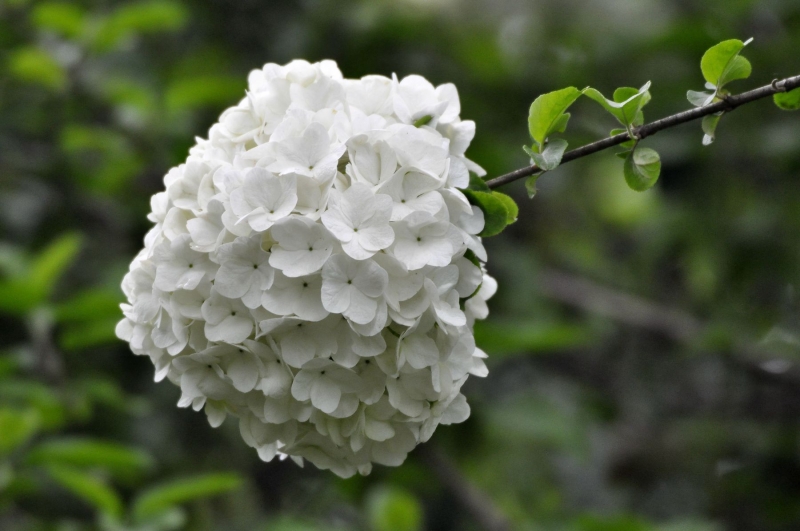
(547, 113)
(788, 101)
(709, 125)
(498, 209)
(642, 168)
(476, 183)
(628, 143)
(530, 184)
(699, 99)
(626, 105)
(550, 157)
(722, 63)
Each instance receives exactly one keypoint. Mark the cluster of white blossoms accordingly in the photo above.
(314, 269)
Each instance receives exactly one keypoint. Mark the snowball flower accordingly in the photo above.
(313, 268)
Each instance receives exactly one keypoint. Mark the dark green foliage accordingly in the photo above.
(587, 421)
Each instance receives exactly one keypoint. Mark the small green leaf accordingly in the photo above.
(51, 263)
(709, 125)
(120, 461)
(642, 168)
(476, 183)
(17, 427)
(60, 17)
(512, 210)
(788, 101)
(628, 143)
(720, 64)
(393, 509)
(155, 500)
(550, 158)
(546, 114)
(699, 99)
(32, 65)
(88, 488)
(624, 111)
(425, 120)
(530, 184)
(495, 213)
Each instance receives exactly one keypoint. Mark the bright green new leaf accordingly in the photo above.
(512, 210)
(722, 64)
(709, 125)
(425, 120)
(530, 184)
(118, 460)
(155, 500)
(626, 110)
(393, 509)
(546, 114)
(16, 428)
(550, 157)
(64, 18)
(32, 65)
(495, 212)
(642, 168)
(88, 488)
(143, 17)
(788, 101)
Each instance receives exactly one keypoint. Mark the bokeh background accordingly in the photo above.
(643, 347)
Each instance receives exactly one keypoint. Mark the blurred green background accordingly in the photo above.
(643, 347)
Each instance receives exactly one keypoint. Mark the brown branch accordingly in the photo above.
(725, 105)
(472, 500)
(672, 323)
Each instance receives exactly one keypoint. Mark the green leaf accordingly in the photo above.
(393, 509)
(512, 210)
(530, 184)
(546, 114)
(511, 338)
(495, 212)
(625, 110)
(476, 183)
(642, 168)
(709, 125)
(721, 63)
(788, 101)
(203, 91)
(17, 427)
(118, 460)
(60, 17)
(628, 143)
(32, 65)
(144, 17)
(51, 263)
(26, 394)
(155, 500)
(699, 99)
(550, 158)
(425, 120)
(88, 488)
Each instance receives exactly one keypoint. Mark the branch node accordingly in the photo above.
(776, 87)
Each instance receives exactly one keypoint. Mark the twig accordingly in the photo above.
(471, 499)
(674, 324)
(728, 104)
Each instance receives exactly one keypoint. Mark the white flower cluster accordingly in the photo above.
(314, 269)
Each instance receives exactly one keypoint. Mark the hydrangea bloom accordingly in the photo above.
(314, 269)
